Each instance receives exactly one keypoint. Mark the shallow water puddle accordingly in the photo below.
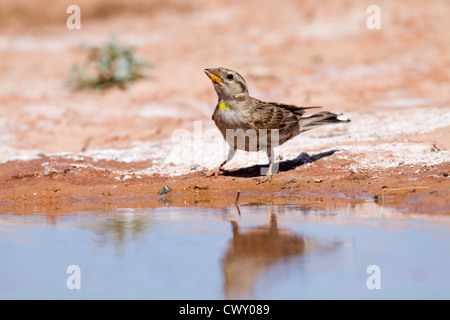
(265, 252)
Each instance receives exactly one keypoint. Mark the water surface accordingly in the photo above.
(265, 252)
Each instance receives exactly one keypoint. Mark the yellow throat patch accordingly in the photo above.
(223, 106)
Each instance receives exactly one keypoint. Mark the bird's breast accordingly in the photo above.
(233, 124)
(223, 106)
(227, 117)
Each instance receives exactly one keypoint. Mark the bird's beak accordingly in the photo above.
(214, 74)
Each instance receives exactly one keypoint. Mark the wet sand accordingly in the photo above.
(69, 187)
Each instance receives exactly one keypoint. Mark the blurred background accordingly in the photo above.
(301, 52)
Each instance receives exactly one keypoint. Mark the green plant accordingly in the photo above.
(107, 66)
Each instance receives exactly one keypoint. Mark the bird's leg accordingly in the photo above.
(217, 171)
(269, 173)
(271, 156)
(230, 156)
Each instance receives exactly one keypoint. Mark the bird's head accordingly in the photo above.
(228, 84)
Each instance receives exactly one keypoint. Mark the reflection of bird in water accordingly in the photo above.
(253, 251)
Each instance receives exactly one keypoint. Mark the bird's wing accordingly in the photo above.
(270, 115)
(294, 109)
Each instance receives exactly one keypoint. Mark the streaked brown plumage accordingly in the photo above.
(250, 124)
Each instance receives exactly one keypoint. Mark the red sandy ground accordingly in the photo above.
(25, 188)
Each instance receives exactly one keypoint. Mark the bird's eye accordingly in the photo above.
(230, 76)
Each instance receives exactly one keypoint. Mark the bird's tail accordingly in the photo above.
(320, 119)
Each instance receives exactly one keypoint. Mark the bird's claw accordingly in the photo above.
(216, 172)
(265, 179)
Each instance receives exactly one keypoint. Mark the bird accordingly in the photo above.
(249, 124)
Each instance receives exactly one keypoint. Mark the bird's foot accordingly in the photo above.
(267, 178)
(214, 173)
